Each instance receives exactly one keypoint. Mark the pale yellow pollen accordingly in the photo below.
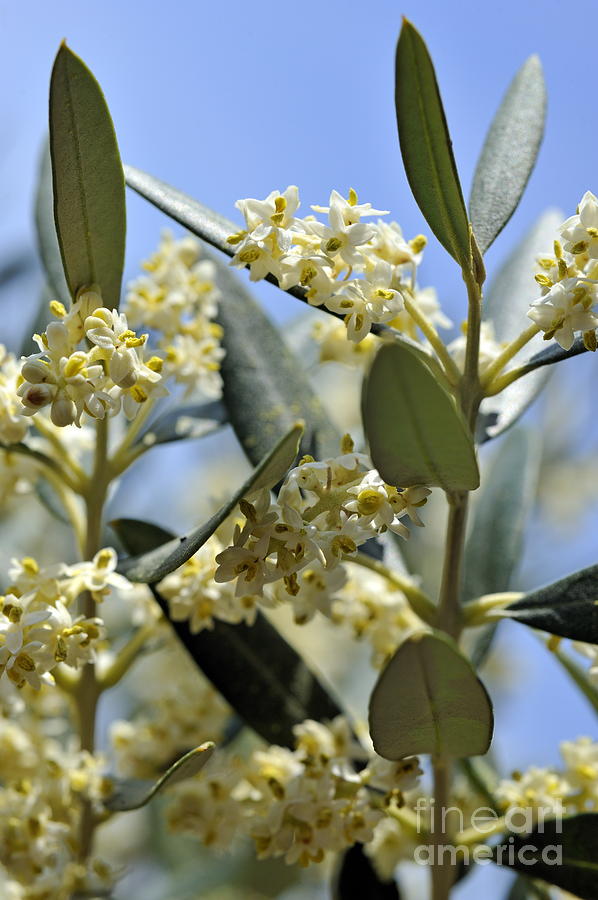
(384, 293)
(369, 501)
(343, 544)
(250, 255)
(138, 394)
(25, 662)
(30, 565)
(332, 245)
(418, 243)
(74, 366)
(236, 238)
(347, 445)
(579, 247)
(155, 363)
(352, 197)
(57, 309)
(543, 280)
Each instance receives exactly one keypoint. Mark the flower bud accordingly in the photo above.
(35, 371)
(35, 396)
(63, 411)
(122, 368)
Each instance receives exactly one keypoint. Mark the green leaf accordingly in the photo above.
(428, 699)
(262, 677)
(89, 187)
(265, 386)
(183, 422)
(357, 879)
(568, 608)
(157, 563)
(495, 542)
(554, 353)
(47, 240)
(427, 148)
(509, 153)
(133, 793)
(536, 855)
(415, 431)
(506, 306)
(138, 536)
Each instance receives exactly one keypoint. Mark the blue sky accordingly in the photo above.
(232, 100)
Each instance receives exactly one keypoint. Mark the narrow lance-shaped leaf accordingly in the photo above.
(506, 306)
(262, 677)
(427, 148)
(416, 433)
(156, 564)
(568, 608)
(133, 793)
(428, 699)
(45, 227)
(509, 153)
(89, 187)
(563, 852)
(495, 542)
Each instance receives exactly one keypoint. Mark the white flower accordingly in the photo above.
(580, 232)
(350, 210)
(314, 272)
(96, 576)
(566, 308)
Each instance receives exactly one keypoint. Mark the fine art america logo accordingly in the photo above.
(484, 822)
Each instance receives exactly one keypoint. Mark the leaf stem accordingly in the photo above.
(126, 657)
(88, 689)
(449, 606)
(419, 602)
(507, 355)
(449, 603)
(450, 367)
(63, 455)
(120, 454)
(443, 875)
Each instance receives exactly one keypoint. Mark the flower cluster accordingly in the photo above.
(570, 790)
(13, 424)
(178, 299)
(298, 804)
(331, 335)
(324, 512)
(44, 783)
(193, 595)
(37, 627)
(356, 269)
(99, 380)
(569, 280)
